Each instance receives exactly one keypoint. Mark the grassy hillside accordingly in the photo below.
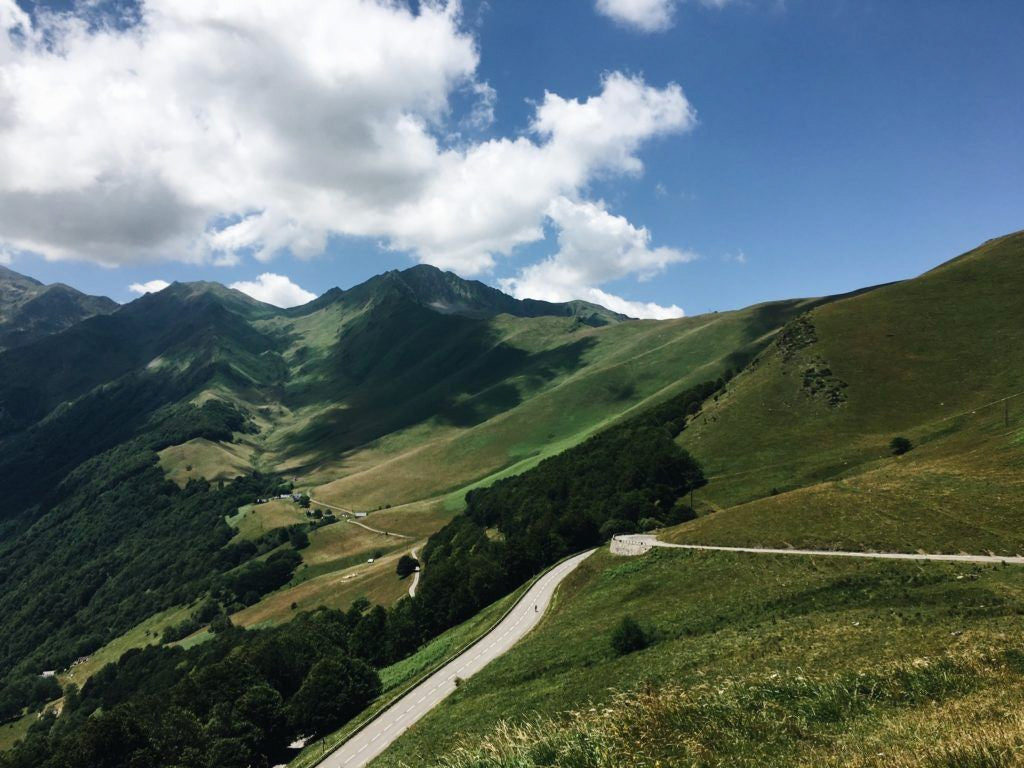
(755, 660)
(797, 450)
(614, 370)
(204, 458)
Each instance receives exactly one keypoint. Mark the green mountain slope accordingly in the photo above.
(753, 660)
(30, 310)
(415, 387)
(408, 386)
(939, 360)
(493, 397)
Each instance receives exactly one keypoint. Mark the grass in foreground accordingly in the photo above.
(776, 721)
(731, 629)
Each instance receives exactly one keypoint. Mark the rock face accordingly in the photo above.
(30, 310)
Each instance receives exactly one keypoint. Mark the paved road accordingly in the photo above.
(415, 574)
(381, 732)
(645, 540)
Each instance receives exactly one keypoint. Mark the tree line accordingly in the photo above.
(241, 696)
(235, 701)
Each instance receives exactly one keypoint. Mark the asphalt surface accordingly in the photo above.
(654, 542)
(378, 734)
(416, 574)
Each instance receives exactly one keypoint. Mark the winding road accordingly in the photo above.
(415, 555)
(636, 544)
(380, 732)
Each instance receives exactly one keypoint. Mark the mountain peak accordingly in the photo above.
(447, 293)
(10, 276)
(30, 309)
(208, 292)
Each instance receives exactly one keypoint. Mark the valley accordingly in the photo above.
(419, 413)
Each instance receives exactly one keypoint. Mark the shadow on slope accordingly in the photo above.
(402, 363)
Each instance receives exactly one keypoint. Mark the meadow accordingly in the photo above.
(829, 657)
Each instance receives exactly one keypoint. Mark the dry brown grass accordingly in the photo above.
(252, 521)
(959, 710)
(214, 461)
(377, 582)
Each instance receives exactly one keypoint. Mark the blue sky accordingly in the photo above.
(836, 144)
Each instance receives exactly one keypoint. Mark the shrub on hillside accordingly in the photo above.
(407, 565)
(615, 526)
(900, 445)
(628, 636)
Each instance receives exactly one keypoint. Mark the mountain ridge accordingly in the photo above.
(31, 310)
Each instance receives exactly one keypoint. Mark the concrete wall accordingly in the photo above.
(628, 546)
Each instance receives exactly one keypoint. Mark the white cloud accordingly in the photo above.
(217, 132)
(739, 257)
(291, 121)
(153, 286)
(596, 247)
(647, 15)
(482, 114)
(275, 289)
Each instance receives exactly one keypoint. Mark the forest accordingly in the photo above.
(239, 698)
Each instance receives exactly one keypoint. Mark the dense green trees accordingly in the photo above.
(407, 565)
(334, 691)
(255, 579)
(236, 700)
(26, 692)
(900, 445)
(115, 542)
(631, 472)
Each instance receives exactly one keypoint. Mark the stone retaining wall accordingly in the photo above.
(629, 547)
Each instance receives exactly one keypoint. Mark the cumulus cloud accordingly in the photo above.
(217, 132)
(647, 15)
(153, 286)
(275, 289)
(596, 247)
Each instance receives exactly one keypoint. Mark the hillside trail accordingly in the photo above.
(415, 554)
(638, 544)
(351, 518)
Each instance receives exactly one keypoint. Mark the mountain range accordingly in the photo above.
(136, 440)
